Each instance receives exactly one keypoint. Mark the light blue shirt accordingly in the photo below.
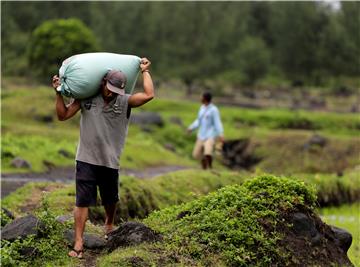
(208, 121)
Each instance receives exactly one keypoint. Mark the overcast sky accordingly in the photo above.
(333, 3)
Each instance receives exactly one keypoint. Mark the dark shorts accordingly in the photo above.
(89, 177)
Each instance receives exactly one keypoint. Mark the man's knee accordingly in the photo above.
(198, 150)
(196, 155)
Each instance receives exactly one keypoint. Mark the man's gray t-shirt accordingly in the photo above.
(103, 129)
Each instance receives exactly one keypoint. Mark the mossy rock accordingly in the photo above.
(244, 225)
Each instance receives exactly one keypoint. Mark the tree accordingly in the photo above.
(251, 59)
(297, 29)
(55, 40)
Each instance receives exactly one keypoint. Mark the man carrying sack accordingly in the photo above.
(103, 130)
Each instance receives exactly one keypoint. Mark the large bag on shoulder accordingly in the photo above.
(81, 75)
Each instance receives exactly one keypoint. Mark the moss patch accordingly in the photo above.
(228, 223)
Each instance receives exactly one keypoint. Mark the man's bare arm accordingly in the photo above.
(63, 111)
(140, 99)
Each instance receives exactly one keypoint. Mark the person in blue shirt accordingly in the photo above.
(210, 128)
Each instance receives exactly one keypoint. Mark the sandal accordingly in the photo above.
(78, 253)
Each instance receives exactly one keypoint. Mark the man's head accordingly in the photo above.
(113, 84)
(206, 98)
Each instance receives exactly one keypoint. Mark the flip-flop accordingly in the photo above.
(79, 253)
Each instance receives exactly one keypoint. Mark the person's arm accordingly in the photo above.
(64, 112)
(139, 99)
(195, 124)
(218, 125)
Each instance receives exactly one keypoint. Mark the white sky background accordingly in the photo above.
(333, 3)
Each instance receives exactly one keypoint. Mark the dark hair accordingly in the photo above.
(207, 96)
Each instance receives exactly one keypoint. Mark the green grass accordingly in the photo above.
(35, 141)
(235, 118)
(346, 217)
(271, 131)
(49, 247)
(29, 193)
(334, 190)
(138, 198)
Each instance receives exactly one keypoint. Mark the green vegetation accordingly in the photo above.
(5, 219)
(28, 197)
(236, 119)
(238, 56)
(251, 61)
(33, 133)
(248, 41)
(47, 248)
(334, 190)
(192, 232)
(55, 40)
(138, 198)
(346, 217)
(267, 140)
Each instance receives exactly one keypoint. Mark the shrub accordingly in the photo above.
(54, 41)
(252, 59)
(5, 219)
(49, 246)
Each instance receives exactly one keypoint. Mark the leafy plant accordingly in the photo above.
(5, 219)
(55, 40)
(37, 250)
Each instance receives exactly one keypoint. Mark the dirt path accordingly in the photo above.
(10, 182)
(89, 259)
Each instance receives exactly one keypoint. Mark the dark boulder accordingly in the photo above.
(342, 237)
(64, 218)
(131, 233)
(65, 154)
(316, 140)
(239, 154)
(177, 121)
(44, 118)
(90, 241)
(20, 163)
(303, 225)
(48, 164)
(22, 227)
(147, 118)
(308, 237)
(29, 252)
(170, 147)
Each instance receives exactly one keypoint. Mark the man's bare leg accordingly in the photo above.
(80, 217)
(110, 215)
